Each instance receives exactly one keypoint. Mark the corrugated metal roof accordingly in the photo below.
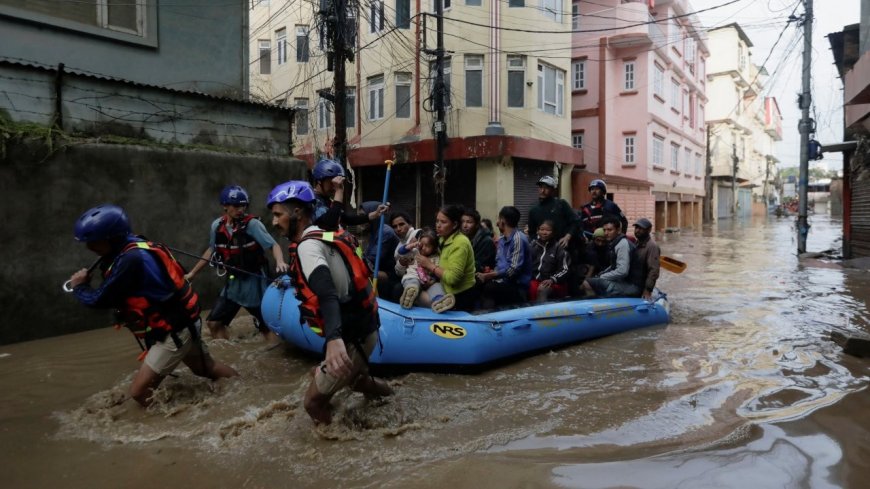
(98, 76)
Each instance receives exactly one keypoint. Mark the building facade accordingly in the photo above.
(742, 125)
(508, 115)
(638, 101)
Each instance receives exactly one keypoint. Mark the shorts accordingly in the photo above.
(610, 288)
(225, 310)
(164, 355)
(329, 385)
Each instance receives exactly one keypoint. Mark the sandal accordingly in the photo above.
(443, 303)
(409, 296)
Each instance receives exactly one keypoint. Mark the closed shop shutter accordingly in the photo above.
(461, 188)
(403, 186)
(526, 176)
(723, 202)
(860, 243)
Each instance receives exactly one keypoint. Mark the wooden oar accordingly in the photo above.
(672, 264)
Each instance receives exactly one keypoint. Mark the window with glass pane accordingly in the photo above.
(324, 114)
(659, 81)
(403, 95)
(551, 87)
(575, 17)
(516, 81)
(628, 71)
(577, 140)
(376, 97)
(552, 9)
(265, 57)
(281, 43)
(403, 14)
(578, 75)
(675, 93)
(350, 107)
(675, 157)
(301, 43)
(301, 105)
(376, 15)
(629, 150)
(516, 3)
(687, 163)
(473, 80)
(658, 151)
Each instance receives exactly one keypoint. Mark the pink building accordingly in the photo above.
(638, 94)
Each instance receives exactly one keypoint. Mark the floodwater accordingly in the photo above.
(742, 389)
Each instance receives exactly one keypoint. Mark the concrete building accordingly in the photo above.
(638, 102)
(851, 49)
(508, 117)
(743, 126)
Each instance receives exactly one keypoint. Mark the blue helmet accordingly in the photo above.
(102, 222)
(234, 195)
(599, 184)
(327, 168)
(292, 190)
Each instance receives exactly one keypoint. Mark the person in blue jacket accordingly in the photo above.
(145, 285)
(509, 282)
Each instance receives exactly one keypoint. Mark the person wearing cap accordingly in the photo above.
(597, 256)
(145, 285)
(592, 214)
(623, 275)
(239, 240)
(336, 299)
(329, 210)
(648, 254)
(566, 223)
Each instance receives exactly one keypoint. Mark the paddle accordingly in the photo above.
(381, 226)
(672, 264)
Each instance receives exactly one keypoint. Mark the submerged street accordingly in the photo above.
(742, 386)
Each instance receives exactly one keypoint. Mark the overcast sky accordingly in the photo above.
(763, 21)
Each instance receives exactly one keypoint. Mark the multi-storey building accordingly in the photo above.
(638, 97)
(508, 116)
(743, 126)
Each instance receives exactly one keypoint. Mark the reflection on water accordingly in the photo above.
(687, 405)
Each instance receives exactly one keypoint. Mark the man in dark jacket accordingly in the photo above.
(648, 254)
(566, 223)
(481, 240)
(592, 214)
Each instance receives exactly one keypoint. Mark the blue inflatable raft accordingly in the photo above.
(418, 338)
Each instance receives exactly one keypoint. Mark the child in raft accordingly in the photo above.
(550, 264)
(421, 287)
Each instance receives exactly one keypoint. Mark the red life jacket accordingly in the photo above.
(154, 321)
(238, 249)
(361, 291)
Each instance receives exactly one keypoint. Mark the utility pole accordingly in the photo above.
(440, 174)
(734, 161)
(341, 38)
(806, 126)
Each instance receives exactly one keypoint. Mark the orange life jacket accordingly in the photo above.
(362, 294)
(154, 321)
(239, 249)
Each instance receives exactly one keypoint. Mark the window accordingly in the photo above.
(376, 15)
(376, 97)
(659, 81)
(675, 157)
(473, 80)
(265, 57)
(473, 3)
(698, 170)
(551, 89)
(577, 139)
(403, 95)
(741, 57)
(301, 105)
(447, 4)
(552, 9)
(447, 83)
(516, 3)
(121, 16)
(324, 114)
(301, 43)
(281, 44)
(692, 110)
(628, 71)
(687, 164)
(403, 14)
(658, 151)
(578, 75)
(129, 21)
(675, 93)
(350, 106)
(629, 150)
(516, 81)
(575, 17)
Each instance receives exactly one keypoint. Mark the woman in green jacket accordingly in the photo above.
(456, 268)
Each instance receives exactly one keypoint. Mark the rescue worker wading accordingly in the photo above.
(239, 240)
(146, 286)
(337, 300)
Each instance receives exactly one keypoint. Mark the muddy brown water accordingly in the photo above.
(742, 389)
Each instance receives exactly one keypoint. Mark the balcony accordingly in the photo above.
(858, 91)
(627, 24)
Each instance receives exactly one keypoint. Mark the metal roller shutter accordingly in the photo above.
(860, 243)
(526, 176)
